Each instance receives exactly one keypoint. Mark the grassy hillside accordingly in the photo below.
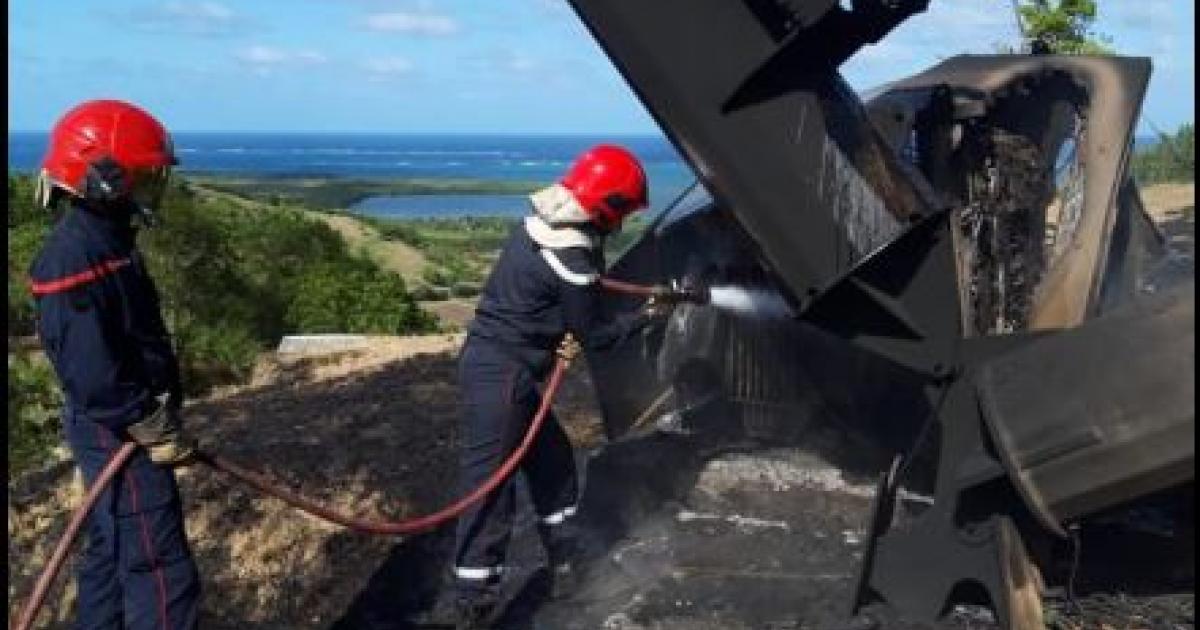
(459, 252)
(234, 278)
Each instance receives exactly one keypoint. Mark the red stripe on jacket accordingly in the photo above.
(83, 277)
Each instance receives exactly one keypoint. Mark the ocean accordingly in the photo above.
(538, 158)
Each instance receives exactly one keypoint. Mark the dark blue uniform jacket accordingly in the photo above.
(527, 305)
(100, 322)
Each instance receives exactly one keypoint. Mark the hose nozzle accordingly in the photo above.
(673, 293)
(678, 293)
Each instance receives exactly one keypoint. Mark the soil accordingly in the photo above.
(1166, 200)
(454, 313)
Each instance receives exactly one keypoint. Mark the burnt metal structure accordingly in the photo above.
(965, 254)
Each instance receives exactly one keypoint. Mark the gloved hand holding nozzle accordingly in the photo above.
(161, 433)
(664, 298)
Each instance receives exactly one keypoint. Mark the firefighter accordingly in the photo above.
(99, 322)
(542, 286)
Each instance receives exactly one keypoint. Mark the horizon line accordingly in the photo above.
(400, 133)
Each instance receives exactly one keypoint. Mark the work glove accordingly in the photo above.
(162, 434)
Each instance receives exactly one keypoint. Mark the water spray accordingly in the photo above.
(750, 302)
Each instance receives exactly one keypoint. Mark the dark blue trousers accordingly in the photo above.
(137, 570)
(499, 399)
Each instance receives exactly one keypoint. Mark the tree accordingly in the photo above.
(1062, 27)
(1173, 158)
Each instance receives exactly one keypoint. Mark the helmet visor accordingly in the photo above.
(148, 186)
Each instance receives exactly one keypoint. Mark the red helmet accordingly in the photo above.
(609, 183)
(106, 150)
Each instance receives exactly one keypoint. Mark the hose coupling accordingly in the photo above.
(679, 292)
(568, 348)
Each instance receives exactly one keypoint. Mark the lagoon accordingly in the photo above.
(441, 206)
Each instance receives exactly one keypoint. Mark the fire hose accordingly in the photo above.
(270, 487)
(266, 485)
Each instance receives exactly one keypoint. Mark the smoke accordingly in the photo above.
(758, 303)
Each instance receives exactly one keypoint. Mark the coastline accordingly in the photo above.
(339, 193)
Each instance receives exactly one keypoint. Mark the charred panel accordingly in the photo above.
(767, 123)
(1096, 416)
(1065, 121)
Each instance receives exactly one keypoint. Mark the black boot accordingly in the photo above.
(466, 608)
(563, 556)
(476, 613)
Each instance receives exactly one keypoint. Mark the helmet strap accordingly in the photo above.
(612, 211)
(145, 216)
(596, 233)
(619, 204)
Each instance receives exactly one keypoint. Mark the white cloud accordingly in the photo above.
(518, 62)
(262, 59)
(201, 11)
(262, 55)
(505, 60)
(412, 23)
(189, 18)
(384, 68)
(310, 56)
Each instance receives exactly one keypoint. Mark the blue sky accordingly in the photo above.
(450, 65)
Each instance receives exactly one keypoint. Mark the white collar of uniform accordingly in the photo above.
(552, 237)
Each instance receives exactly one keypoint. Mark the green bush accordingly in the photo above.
(465, 289)
(28, 226)
(215, 354)
(1172, 159)
(435, 275)
(431, 293)
(23, 244)
(34, 411)
(21, 207)
(354, 296)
